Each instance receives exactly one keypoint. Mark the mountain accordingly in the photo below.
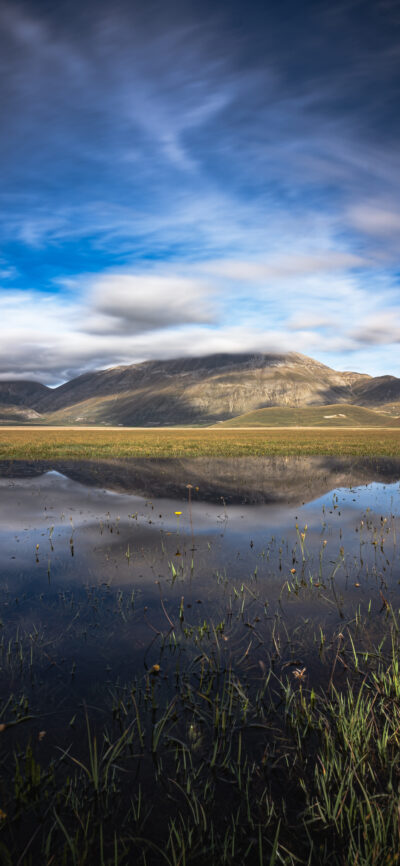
(200, 391)
(381, 390)
(194, 390)
(22, 393)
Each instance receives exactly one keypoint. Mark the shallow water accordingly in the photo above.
(96, 569)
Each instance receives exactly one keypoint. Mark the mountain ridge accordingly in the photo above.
(196, 390)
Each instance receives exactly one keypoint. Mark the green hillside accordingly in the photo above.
(336, 415)
(392, 409)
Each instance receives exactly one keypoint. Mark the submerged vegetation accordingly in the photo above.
(207, 766)
(96, 443)
(250, 719)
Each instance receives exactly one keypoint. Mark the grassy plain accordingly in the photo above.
(23, 443)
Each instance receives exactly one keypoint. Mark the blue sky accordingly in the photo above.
(184, 178)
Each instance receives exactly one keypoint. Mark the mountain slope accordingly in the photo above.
(377, 391)
(198, 391)
(339, 415)
(16, 415)
(195, 390)
(23, 393)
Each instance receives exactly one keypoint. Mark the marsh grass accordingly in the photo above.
(229, 769)
(94, 443)
(237, 730)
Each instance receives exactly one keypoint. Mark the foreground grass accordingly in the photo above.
(201, 760)
(50, 443)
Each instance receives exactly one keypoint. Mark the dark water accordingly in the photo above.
(101, 565)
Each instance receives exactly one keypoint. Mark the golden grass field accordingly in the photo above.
(31, 443)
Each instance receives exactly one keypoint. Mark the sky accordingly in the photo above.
(184, 178)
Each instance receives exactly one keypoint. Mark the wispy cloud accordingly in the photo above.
(383, 328)
(122, 317)
(176, 183)
(376, 219)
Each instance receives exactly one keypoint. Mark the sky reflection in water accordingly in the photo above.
(102, 574)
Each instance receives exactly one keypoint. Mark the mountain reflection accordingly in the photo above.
(284, 480)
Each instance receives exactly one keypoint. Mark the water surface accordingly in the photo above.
(101, 563)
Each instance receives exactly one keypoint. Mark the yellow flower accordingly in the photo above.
(178, 513)
(155, 669)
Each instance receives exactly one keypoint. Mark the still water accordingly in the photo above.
(101, 563)
(160, 622)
